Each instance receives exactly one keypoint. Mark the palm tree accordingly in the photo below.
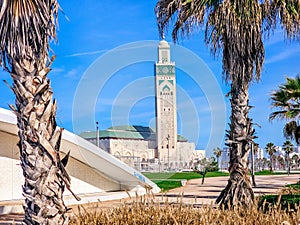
(265, 163)
(235, 28)
(295, 159)
(287, 100)
(217, 152)
(280, 161)
(26, 29)
(288, 148)
(271, 149)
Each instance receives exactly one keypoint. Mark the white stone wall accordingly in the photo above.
(133, 152)
(11, 178)
(185, 152)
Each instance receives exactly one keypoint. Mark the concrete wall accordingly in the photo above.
(84, 178)
(92, 170)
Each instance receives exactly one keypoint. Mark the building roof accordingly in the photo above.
(181, 138)
(126, 132)
(123, 132)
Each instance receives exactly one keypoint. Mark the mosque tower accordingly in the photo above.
(166, 117)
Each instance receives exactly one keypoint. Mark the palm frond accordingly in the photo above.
(184, 15)
(26, 26)
(235, 27)
(289, 129)
(288, 147)
(278, 114)
(287, 100)
(270, 148)
(285, 12)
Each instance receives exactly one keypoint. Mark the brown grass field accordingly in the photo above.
(140, 213)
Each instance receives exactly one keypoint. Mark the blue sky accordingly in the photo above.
(94, 28)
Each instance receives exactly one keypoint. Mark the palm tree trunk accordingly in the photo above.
(238, 190)
(45, 177)
(271, 164)
(288, 164)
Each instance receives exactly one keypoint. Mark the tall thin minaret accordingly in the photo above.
(166, 117)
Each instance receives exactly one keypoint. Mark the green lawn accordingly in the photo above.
(167, 181)
(182, 175)
(295, 186)
(268, 172)
(289, 199)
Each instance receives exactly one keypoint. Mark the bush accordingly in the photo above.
(285, 201)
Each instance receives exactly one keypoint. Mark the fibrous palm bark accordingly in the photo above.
(26, 27)
(44, 173)
(239, 189)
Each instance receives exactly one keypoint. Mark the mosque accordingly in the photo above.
(144, 148)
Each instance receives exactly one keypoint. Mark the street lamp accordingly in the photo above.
(97, 134)
(168, 139)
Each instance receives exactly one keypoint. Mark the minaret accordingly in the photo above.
(166, 117)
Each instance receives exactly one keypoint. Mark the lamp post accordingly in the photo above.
(97, 134)
(252, 164)
(168, 139)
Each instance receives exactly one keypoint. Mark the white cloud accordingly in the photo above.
(86, 53)
(283, 55)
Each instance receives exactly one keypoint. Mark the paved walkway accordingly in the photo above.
(196, 193)
(192, 193)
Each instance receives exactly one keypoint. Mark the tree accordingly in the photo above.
(281, 161)
(288, 148)
(271, 149)
(26, 29)
(287, 100)
(236, 28)
(265, 163)
(295, 159)
(218, 153)
(205, 165)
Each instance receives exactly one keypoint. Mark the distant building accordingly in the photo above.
(259, 154)
(225, 157)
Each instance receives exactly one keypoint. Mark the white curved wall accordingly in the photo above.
(92, 170)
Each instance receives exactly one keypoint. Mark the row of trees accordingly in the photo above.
(284, 161)
(274, 162)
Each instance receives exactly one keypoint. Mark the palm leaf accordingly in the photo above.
(26, 26)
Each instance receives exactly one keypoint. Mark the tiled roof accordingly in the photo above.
(123, 132)
(126, 132)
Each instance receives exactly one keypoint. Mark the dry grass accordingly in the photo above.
(142, 213)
